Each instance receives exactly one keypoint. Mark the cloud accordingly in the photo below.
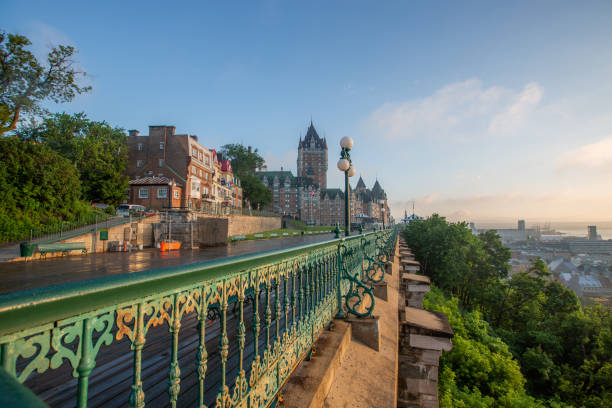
(459, 111)
(45, 37)
(595, 156)
(516, 114)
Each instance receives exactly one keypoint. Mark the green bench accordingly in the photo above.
(64, 248)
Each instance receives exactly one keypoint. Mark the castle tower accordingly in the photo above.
(312, 157)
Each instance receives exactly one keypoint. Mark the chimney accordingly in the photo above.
(133, 132)
(250, 149)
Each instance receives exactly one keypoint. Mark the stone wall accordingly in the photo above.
(245, 224)
(212, 231)
(141, 234)
(423, 336)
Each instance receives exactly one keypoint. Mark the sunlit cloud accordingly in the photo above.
(517, 112)
(596, 156)
(460, 111)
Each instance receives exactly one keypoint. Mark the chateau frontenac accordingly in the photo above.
(306, 197)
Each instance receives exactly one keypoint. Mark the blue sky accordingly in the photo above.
(474, 110)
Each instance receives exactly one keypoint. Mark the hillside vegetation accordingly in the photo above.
(521, 340)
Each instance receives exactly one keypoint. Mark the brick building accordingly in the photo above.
(155, 192)
(178, 158)
(293, 196)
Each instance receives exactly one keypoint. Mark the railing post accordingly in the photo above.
(202, 356)
(86, 364)
(340, 314)
(137, 397)
(174, 374)
(256, 319)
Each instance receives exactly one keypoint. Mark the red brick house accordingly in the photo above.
(155, 192)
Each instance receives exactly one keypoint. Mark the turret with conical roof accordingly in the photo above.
(360, 185)
(378, 192)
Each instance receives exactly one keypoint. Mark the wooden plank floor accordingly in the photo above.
(110, 381)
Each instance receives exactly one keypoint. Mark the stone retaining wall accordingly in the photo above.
(423, 335)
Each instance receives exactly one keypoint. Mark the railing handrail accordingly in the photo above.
(35, 307)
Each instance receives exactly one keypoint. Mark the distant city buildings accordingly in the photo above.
(509, 235)
(306, 197)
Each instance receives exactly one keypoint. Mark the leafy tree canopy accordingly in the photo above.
(244, 163)
(25, 83)
(244, 159)
(256, 192)
(97, 150)
(37, 187)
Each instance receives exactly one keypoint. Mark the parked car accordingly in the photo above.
(130, 209)
(100, 206)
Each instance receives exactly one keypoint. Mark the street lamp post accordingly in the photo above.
(346, 165)
(383, 214)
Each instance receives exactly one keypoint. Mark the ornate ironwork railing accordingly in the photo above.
(227, 333)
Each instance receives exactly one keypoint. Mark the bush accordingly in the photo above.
(38, 187)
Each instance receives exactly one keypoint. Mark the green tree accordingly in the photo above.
(25, 83)
(97, 150)
(37, 187)
(479, 371)
(245, 161)
(256, 192)
(460, 263)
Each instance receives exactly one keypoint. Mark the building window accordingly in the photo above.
(161, 145)
(193, 170)
(201, 156)
(162, 192)
(143, 193)
(206, 176)
(194, 152)
(161, 163)
(139, 163)
(139, 146)
(200, 173)
(177, 194)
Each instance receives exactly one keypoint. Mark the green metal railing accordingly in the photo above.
(267, 309)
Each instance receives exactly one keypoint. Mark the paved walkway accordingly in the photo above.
(367, 378)
(33, 274)
(11, 250)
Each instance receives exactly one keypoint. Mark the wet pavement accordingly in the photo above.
(16, 276)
